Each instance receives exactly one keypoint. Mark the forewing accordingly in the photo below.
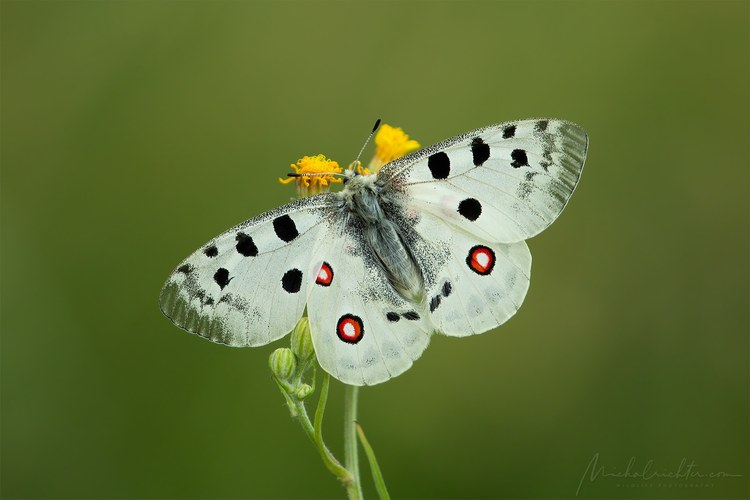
(503, 183)
(247, 286)
(364, 333)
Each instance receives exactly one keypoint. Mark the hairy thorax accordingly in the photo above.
(364, 198)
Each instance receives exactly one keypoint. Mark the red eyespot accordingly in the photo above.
(481, 260)
(350, 328)
(325, 275)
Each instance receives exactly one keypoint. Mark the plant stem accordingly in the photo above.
(329, 460)
(351, 457)
(377, 475)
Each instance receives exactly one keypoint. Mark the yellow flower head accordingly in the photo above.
(391, 143)
(315, 174)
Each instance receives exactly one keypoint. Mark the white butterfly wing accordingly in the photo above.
(363, 332)
(476, 285)
(476, 198)
(248, 286)
(503, 183)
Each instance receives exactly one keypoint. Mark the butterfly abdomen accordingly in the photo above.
(396, 260)
(384, 238)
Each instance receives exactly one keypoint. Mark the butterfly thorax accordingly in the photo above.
(367, 202)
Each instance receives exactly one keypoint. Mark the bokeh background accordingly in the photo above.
(132, 132)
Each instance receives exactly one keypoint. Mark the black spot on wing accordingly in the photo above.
(447, 288)
(541, 125)
(470, 209)
(285, 228)
(292, 280)
(440, 165)
(519, 158)
(185, 269)
(245, 245)
(434, 303)
(392, 316)
(211, 251)
(509, 132)
(221, 277)
(480, 151)
(411, 315)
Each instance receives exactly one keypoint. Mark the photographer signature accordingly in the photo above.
(685, 471)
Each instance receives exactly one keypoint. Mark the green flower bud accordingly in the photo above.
(303, 391)
(282, 363)
(302, 344)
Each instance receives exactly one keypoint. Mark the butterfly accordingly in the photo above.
(434, 242)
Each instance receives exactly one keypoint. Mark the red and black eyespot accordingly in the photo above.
(481, 260)
(350, 328)
(325, 275)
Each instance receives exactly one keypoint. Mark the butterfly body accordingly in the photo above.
(434, 242)
(374, 213)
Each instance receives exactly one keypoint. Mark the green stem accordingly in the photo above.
(351, 458)
(315, 432)
(377, 475)
(348, 476)
(304, 421)
(329, 460)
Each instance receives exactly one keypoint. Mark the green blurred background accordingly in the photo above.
(132, 132)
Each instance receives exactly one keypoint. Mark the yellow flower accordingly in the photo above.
(315, 174)
(391, 143)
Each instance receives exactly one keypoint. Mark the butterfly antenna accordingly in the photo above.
(374, 129)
